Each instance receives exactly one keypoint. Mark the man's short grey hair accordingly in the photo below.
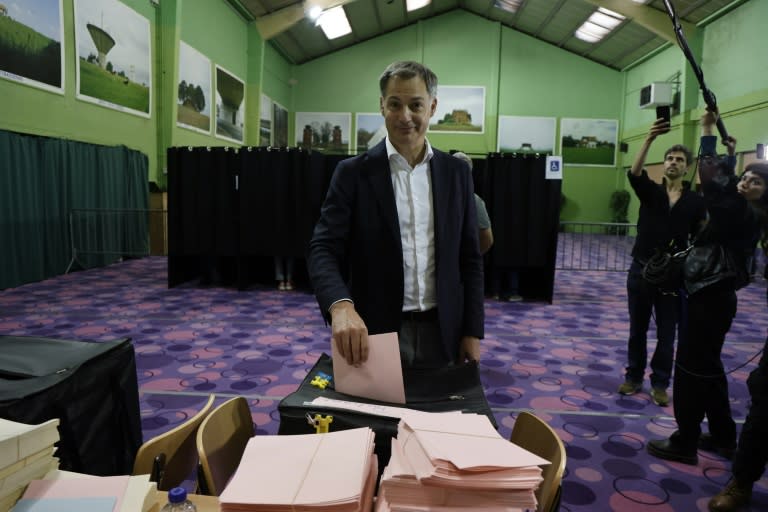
(407, 69)
(463, 156)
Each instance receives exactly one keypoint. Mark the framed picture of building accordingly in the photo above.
(265, 121)
(370, 130)
(518, 134)
(460, 109)
(230, 106)
(324, 131)
(279, 125)
(589, 142)
(193, 98)
(114, 56)
(31, 43)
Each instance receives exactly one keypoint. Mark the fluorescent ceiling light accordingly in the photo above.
(507, 5)
(642, 1)
(412, 5)
(334, 22)
(599, 25)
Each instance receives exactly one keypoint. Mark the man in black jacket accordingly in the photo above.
(669, 213)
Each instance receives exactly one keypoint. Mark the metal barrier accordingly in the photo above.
(605, 246)
(99, 236)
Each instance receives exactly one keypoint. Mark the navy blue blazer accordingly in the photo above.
(356, 250)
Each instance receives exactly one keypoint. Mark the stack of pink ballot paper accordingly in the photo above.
(451, 462)
(335, 471)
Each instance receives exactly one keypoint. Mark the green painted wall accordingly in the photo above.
(521, 76)
(30, 110)
(726, 51)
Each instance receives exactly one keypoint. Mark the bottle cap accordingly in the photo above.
(177, 495)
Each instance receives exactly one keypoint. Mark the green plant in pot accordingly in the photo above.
(619, 205)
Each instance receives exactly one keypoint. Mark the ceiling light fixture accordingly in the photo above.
(334, 22)
(412, 5)
(599, 25)
(507, 5)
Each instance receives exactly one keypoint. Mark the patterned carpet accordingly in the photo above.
(563, 360)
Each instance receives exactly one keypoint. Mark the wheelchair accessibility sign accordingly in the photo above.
(554, 169)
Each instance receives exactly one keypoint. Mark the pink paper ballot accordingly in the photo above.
(379, 378)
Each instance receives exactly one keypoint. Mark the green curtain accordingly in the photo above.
(44, 180)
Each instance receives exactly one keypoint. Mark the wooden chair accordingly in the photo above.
(171, 458)
(221, 440)
(533, 434)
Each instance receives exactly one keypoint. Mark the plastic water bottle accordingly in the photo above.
(178, 502)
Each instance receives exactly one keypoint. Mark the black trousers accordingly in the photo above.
(752, 453)
(700, 386)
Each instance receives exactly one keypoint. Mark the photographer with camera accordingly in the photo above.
(669, 213)
(717, 266)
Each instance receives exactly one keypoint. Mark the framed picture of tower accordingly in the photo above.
(324, 131)
(114, 59)
(193, 92)
(265, 121)
(230, 106)
(279, 125)
(460, 109)
(31, 43)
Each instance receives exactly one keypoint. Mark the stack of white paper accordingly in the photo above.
(26, 453)
(305, 473)
(64, 490)
(458, 462)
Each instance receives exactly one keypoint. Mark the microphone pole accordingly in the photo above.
(709, 97)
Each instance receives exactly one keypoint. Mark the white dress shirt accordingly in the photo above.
(413, 196)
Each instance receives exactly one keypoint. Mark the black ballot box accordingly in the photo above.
(453, 388)
(91, 387)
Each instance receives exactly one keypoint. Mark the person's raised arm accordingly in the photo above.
(657, 128)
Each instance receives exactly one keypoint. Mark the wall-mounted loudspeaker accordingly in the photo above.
(623, 147)
(656, 94)
(760, 152)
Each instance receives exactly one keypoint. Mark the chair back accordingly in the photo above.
(533, 434)
(171, 458)
(221, 440)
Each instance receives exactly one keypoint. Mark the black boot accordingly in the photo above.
(674, 449)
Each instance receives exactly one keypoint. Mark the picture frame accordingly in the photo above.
(279, 125)
(114, 56)
(589, 142)
(230, 106)
(460, 109)
(327, 132)
(526, 134)
(32, 43)
(265, 121)
(193, 96)
(370, 129)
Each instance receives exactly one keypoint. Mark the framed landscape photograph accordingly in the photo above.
(279, 125)
(370, 131)
(230, 106)
(31, 43)
(194, 90)
(460, 109)
(519, 134)
(114, 67)
(589, 142)
(324, 131)
(265, 121)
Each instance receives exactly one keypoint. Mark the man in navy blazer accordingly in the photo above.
(396, 245)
